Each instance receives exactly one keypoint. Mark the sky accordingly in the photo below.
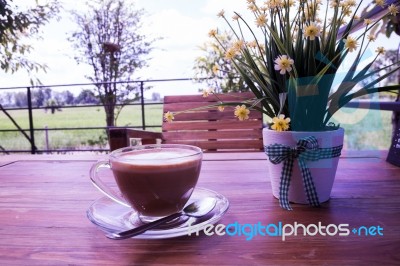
(183, 25)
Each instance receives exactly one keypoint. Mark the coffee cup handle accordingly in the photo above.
(102, 187)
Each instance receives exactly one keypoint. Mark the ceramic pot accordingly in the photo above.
(323, 171)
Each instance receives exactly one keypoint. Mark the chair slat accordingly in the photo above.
(213, 115)
(227, 97)
(218, 135)
(221, 145)
(212, 125)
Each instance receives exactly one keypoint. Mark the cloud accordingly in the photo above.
(177, 29)
(212, 7)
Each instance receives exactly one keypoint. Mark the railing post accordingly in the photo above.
(31, 128)
(142, 104)
(46, 134)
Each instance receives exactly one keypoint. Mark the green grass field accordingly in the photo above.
(365, 129)
(71, 118)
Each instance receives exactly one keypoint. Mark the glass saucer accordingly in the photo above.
(112, 217)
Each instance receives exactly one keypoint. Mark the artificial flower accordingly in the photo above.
(380, 50)
(280, 123)
(393, 10)
(312, 31)
(283, 64)
(351, 44)
(230, 53)
(168, 116)
(212, 33)
(241, 112)
(298, 56)
(215, 69)
(261, 20)
(380, 3)
(371, 38)
(367, 21)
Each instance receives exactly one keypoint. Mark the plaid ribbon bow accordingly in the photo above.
(307, 149)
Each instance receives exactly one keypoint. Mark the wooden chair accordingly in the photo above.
(210, 129)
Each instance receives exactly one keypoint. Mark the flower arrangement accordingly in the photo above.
(295, 70)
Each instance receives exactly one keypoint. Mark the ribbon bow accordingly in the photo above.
(306, 149)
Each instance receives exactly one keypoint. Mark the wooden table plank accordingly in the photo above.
(43, 220)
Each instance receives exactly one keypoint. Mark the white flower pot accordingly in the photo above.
(322, 171)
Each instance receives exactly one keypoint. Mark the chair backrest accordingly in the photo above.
(211, 129)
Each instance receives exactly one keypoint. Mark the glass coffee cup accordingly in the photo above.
(155, 180)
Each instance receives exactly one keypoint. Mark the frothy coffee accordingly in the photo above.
(157, 182)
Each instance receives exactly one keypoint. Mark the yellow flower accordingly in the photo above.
(252, 7)
(230, 53)
(280, 123)
(371, 38)
(289, 3)
(261, 20)
(207, 92)
(393, 10)
(283, 63)
(351, 44)
(241, 112)
(347, 12)
(252, 44)
(168, 116)
(275, 3)
(238, 45)
(215, 69)
(351, 3)
(212, 33)
(221, 108)
(380, 50)
(367, 21)
(312, 31)
(380, 3)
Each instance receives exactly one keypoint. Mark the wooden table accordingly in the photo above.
(43, 203)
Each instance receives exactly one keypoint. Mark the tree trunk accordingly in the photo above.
(110, 119)
(109, 110)
(109, 107)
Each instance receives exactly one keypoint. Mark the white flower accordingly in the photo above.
(283, 63)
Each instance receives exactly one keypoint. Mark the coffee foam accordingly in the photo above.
(155, 158)
(156, 154)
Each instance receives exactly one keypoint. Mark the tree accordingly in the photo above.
(156, 97)
(53, 105)
(215, 70)
(67, 98)
(18, 26)
(108, 39)
(21, 99)
(86, 97)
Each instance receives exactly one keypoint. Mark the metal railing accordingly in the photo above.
(29, 133)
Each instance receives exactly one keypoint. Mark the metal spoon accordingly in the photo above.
(196, 209)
